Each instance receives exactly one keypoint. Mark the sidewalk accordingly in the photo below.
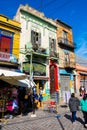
(45, 120)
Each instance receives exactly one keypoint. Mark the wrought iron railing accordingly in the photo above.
(66, 42)
(69, 64)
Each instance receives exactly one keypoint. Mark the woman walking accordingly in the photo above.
(83, 104)
(73, 105)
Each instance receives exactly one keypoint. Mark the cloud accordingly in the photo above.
(81, 45)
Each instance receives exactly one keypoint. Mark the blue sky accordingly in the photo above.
(72, 12)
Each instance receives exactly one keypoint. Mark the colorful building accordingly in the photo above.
(66, 59)
(39, 56)
(9, 64)
(81, 77)
(9, 41)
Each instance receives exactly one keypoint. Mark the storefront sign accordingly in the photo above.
(37, 68)
(4, 56)
(8, 57)
(6, 33)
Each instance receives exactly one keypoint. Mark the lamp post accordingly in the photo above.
(31, 79)
(31, 73)
(31, 67)
(29, 53)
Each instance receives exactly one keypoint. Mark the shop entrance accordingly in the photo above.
(65, 87)
(7, 92)
(40, 85)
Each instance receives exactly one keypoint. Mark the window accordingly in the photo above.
(35, 37)
(65, 36)
(52, 44)
(67, 57)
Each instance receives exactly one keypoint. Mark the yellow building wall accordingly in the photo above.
(16, 44)
(16, 36)
(60, 30)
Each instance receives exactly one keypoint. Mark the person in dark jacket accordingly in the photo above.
(73, 105)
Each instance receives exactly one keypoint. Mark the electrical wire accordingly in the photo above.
(59, 7)
(46, 5)
(55, 9)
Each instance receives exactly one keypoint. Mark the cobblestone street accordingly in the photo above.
(45, 120)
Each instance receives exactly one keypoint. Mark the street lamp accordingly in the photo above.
(29, 53)
(31, 70)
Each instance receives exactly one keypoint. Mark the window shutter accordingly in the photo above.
(32, 36)
(55, 45)
(50, 43)
(39, 38)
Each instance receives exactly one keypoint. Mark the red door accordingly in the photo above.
(5, 44)
(53, 77)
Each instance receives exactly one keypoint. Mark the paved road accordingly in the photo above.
(46, 121)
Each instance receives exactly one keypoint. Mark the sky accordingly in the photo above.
(71, 12)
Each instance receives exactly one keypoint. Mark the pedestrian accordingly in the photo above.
(40, 99)
(73, 105)
(15, 106)
(83, 104)
(25, 103)
(30, 100)
(82, 91)
(33, 104)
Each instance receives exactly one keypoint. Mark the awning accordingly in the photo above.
(14, 78)
(9, 73)
(12, 81)
(83, 73)
(25, 82)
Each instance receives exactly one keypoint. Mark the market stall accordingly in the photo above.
(10, 82)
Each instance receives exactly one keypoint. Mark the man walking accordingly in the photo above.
(73, 105)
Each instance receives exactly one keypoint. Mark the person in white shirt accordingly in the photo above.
(15, 106)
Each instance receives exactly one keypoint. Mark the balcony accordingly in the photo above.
(69, 65)
(37, 51)
(66, 43)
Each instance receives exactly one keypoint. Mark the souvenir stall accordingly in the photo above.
(7, 92)
(9, 86)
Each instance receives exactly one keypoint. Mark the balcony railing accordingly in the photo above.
(66, 42)
(69, 65)
(37, 49)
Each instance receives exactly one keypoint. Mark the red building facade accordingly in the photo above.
(53, 68)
